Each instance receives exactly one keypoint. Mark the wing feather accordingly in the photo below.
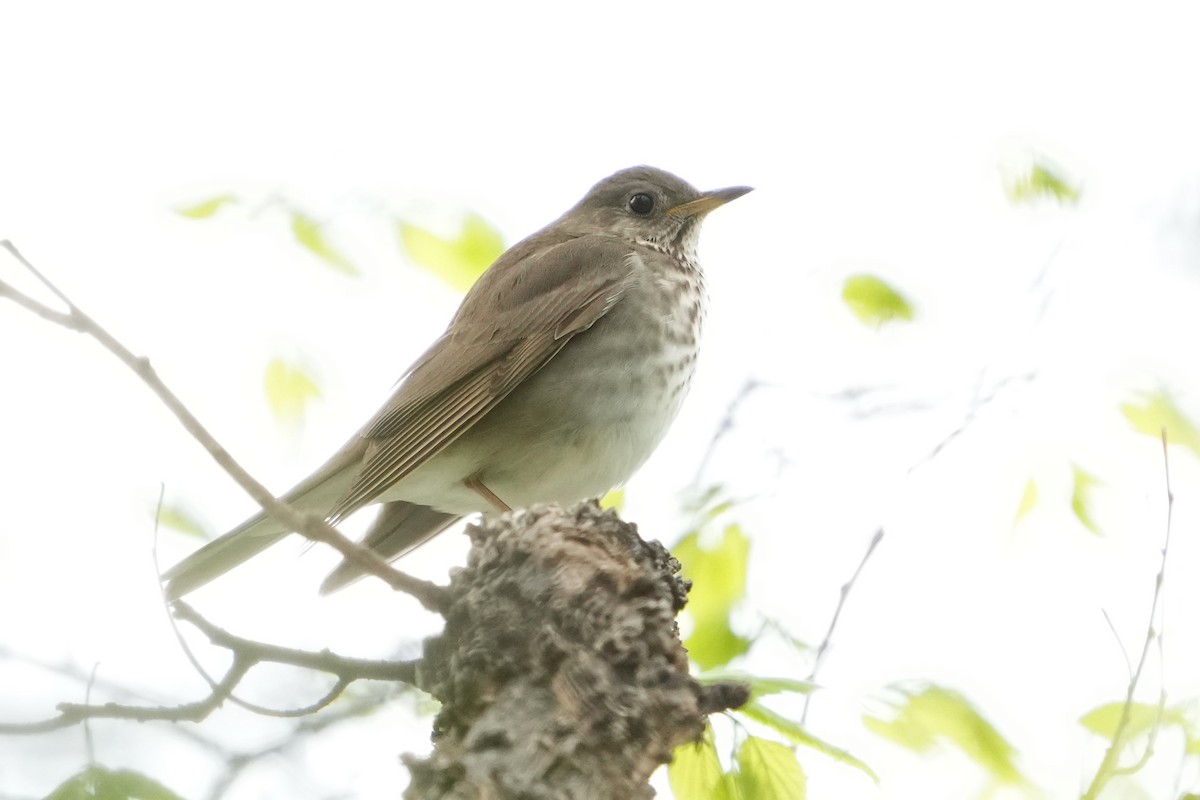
(536, 300)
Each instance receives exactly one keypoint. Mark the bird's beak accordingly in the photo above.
(708, 201)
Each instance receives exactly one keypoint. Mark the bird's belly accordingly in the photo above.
(582, 425)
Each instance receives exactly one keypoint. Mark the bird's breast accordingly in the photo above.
(594, 413)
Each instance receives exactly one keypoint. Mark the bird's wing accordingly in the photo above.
(515, 319)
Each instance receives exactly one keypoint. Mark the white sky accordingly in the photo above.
(874, 133)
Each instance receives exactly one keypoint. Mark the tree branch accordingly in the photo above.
(837, 613)
(311, 526)
(246, 654)
(560, 669)
(1109, 767)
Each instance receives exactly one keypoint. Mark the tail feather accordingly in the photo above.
(399, 528)
(318, 493)
(222, 554)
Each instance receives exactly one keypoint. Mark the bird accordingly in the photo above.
(557, 377)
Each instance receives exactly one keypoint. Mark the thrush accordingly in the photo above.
(555, 380)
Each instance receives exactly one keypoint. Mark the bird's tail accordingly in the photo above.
(318, 493)
(399, 528)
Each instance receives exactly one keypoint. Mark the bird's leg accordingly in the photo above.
(475, 485)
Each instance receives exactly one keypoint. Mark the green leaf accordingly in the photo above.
(614, 499)
(799, 735)
(1041, 181)
(714, 643)
(769, 771)
(695, 770)
(98, 783)
(289, 390)
(1081, 496)
(177, 518)
(458, 261)
(1103, 720)
(759, 686)
(873, 301)
(1029, 499)
(728, 788)
(309, 234)
(718, 578)
(927, 714)
(1157, 412)
(206, 208)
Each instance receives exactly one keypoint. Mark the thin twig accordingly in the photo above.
(73, 713)
(303, 711)
(172, 620)
(1108, 765)
(311, 526)
(120, 691)
(323, 661)
(1120, 644)
(725, 425)
(236, 763)
(88, 742)
(837, 613)
(246, 654)
(978, 403)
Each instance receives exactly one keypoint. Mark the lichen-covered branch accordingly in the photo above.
(560, 668)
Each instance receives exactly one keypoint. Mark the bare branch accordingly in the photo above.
(1108, 765)
(725, 425)
(323, 661)
(837, 613)
(311, 526)
(978, 404)
(246, 654)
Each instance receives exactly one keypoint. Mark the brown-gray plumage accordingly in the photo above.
(554, 381)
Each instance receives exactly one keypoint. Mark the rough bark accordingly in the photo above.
(560, 668)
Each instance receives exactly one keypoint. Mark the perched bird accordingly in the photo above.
(555, 380)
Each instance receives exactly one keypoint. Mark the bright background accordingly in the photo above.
(879, 137)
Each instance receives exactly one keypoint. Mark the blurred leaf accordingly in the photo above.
(927, 714)
(759, 687)
(1103, 720)
(769, 771)
(705, 506)
(309, 234)
(714, 643)
(178, 519)
(783, 633)
(458, 261)
(1157, 412)
(1041, 182)
(289, 389)
(614, 499)
(98, 783)
(718, 578)
(799, 735)
(729, 788)
(695, 770)
(1140, 719)
(697, 501)
(1029, 499)
(206, 208)
(873, 301)
(1081, 496)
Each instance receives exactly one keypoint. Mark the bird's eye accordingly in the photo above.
(641, 204)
